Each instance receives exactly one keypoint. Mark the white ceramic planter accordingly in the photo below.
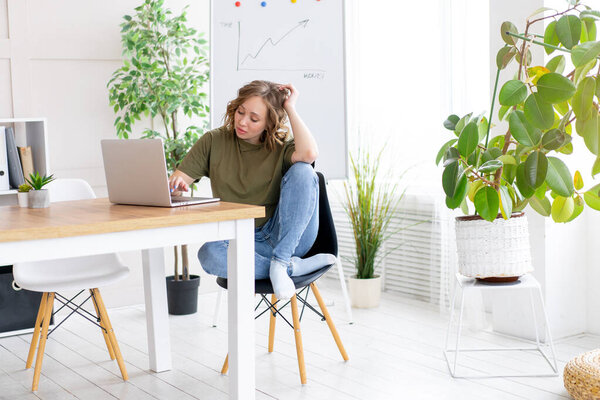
(39, 198)
(22, 198)
(364, 293)
(498, 249)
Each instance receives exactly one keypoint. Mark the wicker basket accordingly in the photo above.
(582, 376)
(493, 249)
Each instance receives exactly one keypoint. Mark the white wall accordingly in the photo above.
(55, 60)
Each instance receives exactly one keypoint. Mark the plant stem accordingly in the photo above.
(487, 135)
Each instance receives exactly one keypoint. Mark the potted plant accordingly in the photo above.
(165, 65)
(38, 197)
(548, 111)
(22, 194)
(369, 206)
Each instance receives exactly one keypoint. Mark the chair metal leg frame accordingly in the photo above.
(537, 348)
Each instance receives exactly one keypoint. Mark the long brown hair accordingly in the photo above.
(275, 132)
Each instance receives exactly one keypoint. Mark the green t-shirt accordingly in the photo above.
(240, 172)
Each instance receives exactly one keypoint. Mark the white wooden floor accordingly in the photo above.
(395, 353)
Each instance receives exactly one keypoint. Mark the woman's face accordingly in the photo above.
(251, 119)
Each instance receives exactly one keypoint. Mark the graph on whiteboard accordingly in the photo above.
(268, 53)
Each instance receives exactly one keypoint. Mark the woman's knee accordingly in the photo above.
(213, 258)
(300, 173)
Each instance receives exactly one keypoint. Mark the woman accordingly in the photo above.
(252, 160)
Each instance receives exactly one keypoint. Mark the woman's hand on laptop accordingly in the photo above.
(179, 182)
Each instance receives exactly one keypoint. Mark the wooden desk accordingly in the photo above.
(87, 227)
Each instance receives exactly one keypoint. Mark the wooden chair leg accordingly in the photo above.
(111, 335)
(103, 328)
(36, 330)
(225, 365)
(334, 331)
(272, 324)
(298, 337)
(44, 336)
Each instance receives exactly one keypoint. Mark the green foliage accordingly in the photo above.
(370, 206)
(37, 182)
(24, 188)
(544, 107)
(165, 65)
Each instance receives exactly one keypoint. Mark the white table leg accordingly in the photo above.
(157, 314)
(240, 273)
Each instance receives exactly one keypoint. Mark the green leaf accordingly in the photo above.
(505, 56)
(459, 194)
(538, 112)
(562, 107)
(522, 183)
(550, 37)
(555, 88)
(487, 203)
(508, 26)
(562, 208)
(505, 202)
(568, 30)
(450, 156)
(451, 121)
(578, 180)
(491, 154)
(541, 206)
(584, 53)
(553, 139)
(482, 128)
(559, 177)
(522, 130)
(583, 100)
(578, 208)
(581, 72)
(557, 64)
(450, 178)
(490, 166)
(591, 28)
(507, 159)
(539, 11)
(590, 14)
(468, 139)
(536, 167)
(592, 197)
(596, 167)
(591, 133)
(502, 112)
(460, 125)
(512, 93)
(464, 207)
(443, 149)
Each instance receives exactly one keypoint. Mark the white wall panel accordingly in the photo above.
(3, 20)
(5, 89)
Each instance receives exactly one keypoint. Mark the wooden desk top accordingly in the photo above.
(88, 217)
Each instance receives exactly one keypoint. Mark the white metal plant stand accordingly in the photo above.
(526, 282)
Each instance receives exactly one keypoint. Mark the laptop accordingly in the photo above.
(136, 174)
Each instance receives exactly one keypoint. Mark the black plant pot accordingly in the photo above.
(182, 295)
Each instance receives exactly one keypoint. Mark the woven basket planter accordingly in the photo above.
(498, 249)
(582, 376)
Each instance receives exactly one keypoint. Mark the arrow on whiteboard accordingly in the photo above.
(301, 24)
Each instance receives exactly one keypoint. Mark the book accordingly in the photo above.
(15, 172)
(4, 184)
(26, 160)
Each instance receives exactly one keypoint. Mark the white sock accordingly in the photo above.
(303, 266)
(282, 284)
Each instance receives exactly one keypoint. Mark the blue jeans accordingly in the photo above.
(291, 231)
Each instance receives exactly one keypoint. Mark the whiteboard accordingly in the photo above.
(282, 41)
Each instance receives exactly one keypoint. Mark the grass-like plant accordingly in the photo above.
(36, 181)
(369, 205)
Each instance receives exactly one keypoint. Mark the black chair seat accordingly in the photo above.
(263, 286)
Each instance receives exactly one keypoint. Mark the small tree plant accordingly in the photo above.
(165, 66)
(544, 106)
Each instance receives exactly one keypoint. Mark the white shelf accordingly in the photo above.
(11, 191)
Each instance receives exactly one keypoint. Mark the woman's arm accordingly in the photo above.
(180, 181)
(306, 147)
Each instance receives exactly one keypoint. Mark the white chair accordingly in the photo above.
(79, 273)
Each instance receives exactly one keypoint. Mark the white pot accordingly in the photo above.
(364, 293)
(22, 198)
(39, 198)
(498, 249)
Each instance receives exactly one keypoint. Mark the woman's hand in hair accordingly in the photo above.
(291, 96)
